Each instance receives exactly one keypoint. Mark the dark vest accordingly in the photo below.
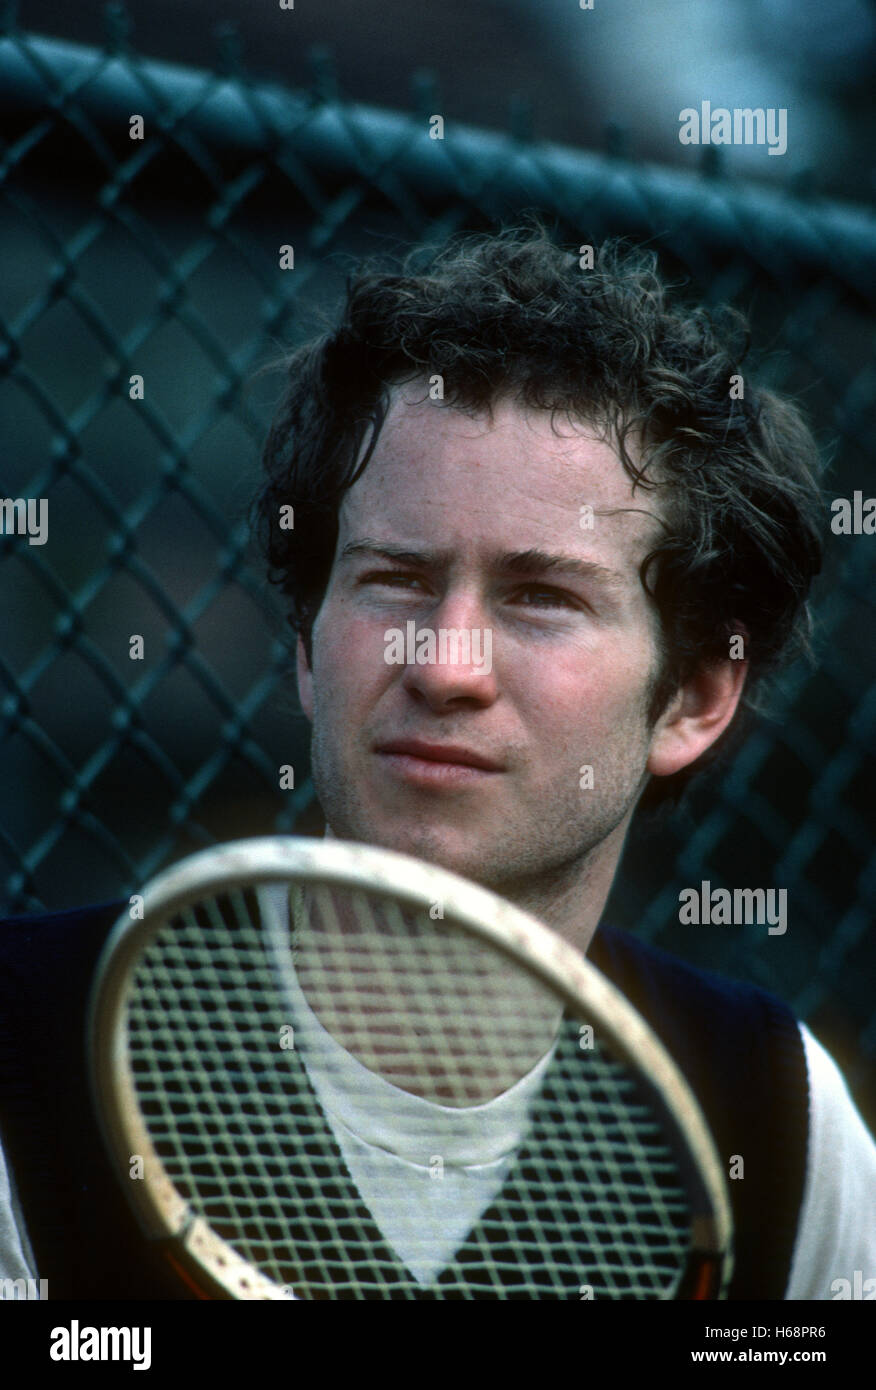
(739, 1048)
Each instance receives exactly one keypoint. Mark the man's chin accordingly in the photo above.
(446, 848)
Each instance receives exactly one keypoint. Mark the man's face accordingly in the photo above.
(475, 523)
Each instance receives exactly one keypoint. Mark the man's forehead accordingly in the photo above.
(411, 410)
(514, 476)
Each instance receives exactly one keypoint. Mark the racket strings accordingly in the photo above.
(422, 1003)
(219, 1063)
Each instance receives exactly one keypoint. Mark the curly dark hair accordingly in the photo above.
(511, 314)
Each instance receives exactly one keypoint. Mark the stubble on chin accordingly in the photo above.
(543, 866)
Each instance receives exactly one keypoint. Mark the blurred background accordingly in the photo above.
(622, 70)
(160, 257)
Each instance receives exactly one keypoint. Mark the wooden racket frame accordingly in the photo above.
(204, 1260)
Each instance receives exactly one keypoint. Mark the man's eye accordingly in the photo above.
(544, 598)
(394, 579)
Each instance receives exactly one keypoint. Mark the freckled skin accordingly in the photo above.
(573, 656)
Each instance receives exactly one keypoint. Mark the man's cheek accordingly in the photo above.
(359, 638)
(597, 716)
(352, 671)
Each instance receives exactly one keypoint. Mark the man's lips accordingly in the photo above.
(443, 754)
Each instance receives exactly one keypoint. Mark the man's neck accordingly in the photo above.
(570, 900)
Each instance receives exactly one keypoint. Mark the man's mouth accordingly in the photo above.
(435, 764)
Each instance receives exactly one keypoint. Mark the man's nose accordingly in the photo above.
(452, 654)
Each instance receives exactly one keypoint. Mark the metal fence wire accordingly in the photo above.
(159, 258)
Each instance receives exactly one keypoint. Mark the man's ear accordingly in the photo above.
(696, 716)
(305, 680)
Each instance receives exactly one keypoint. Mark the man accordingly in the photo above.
(510, 446)
(554, 462)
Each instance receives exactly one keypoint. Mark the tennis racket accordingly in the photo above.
(325, 1070)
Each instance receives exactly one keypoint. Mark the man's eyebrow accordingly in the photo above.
(514, 564)
(386, 550)
(529, 562)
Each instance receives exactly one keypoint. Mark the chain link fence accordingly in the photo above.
(159, 258)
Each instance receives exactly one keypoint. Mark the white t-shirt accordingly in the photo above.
(837, 1231)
